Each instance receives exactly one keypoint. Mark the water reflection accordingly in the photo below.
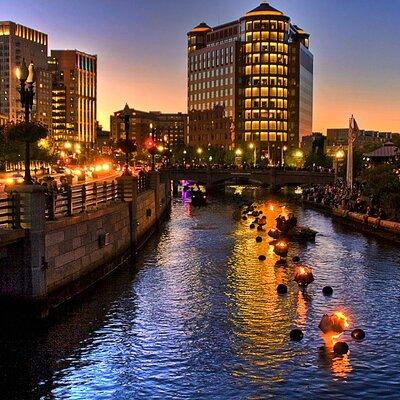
(198, 316)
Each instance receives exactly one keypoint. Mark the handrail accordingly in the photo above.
(67, 200)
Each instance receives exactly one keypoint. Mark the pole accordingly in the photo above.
(153, 164)
(27, 175)
(127, 140)
(349, 171)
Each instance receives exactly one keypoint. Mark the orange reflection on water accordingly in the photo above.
(340, 366)
(301, 309)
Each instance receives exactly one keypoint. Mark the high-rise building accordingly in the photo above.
(170, 128)
(74, 93)
(18, 42)
(259, 68)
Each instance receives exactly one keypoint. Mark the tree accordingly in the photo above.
(318, 160)
(382, 184)
(26, 132)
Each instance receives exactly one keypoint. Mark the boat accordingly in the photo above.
(198, 195)
(299, 233)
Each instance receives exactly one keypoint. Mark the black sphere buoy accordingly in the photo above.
(296, 259)
(260, 228)
(358, 334)
(341, 348)
(258, 239)
(327, 291)
(281, 263)
(244, 218)
(262, 257)
(252, 226)
(260, 212)
(296, 335)
(281, 289)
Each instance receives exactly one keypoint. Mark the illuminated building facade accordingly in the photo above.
(260, 70)
(18, 42)
(170, 128)
(74, 93)
(3, 119)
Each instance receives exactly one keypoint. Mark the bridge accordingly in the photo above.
(270, 177)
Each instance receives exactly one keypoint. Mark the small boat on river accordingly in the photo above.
(298, 233)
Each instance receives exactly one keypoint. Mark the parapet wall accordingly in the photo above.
(77, 245)
(59, 259)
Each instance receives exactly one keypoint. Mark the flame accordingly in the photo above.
(302, 271)
(281, 244)
(271, 208)
(343, 319)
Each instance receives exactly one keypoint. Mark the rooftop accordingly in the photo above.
(264, 9)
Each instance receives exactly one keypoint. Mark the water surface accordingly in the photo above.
(197, 316)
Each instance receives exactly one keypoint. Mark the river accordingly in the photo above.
(197, 316)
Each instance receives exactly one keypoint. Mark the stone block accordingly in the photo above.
(76, 242)
(70, 232)
(80, 253)
(64, 259)
(54, 238)
(65, 246)
(81, 228)
(52, 251)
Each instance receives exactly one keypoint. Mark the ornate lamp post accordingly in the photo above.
(27, 77)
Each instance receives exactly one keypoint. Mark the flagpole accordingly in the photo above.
(352, 136)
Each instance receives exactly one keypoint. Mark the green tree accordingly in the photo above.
(318, 161)
(382, 183)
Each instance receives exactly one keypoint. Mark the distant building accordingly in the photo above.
(338, 136)
(314, 143)
(3, 119)
(18, 42)
(74, 93)
(170, 127)
(387, 153)
(209, 127)
(103, 140)
(260, 70)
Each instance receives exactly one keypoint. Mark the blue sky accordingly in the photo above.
(141, 45)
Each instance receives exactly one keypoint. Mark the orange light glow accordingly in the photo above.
(342, 317)
(334, 324)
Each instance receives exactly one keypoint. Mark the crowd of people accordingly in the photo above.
(339, 195)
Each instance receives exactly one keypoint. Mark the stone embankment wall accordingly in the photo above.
(78, 245)
(49, 262)
(383, 228)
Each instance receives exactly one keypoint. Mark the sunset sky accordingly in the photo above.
(141, 48)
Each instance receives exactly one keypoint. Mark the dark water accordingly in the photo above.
(198, 317)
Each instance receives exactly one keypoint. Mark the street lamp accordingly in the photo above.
(27, 77)
(151, 146)
(283, 149)
(252, 146)
(199, 151)
(339, 156)
(125, 116)
(299, 156)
